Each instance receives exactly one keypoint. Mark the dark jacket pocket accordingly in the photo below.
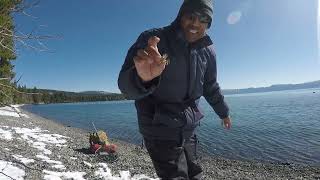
(193, 116)
(169, 115)
(175, 116)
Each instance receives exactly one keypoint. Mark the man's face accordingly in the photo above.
(194, 26)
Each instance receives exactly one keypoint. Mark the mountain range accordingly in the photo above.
(277, 87)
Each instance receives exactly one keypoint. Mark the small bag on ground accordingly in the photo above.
(99, 143)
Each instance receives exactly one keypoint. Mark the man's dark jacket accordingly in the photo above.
(167, 107)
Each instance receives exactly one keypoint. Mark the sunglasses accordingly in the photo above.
(202, 17)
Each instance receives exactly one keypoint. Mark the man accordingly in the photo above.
(166, 71)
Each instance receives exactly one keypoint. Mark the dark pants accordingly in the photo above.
(174, 160)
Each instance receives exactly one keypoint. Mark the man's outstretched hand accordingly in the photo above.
(148, 61)
(226, 122)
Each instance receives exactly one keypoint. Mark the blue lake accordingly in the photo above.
(279, 126)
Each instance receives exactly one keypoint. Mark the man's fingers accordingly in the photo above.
(142, 54)
(153, 53)
(158, 68)
(153, 41)
(152, 48)
(226, 123)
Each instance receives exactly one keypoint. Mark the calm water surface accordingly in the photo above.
(276, 126)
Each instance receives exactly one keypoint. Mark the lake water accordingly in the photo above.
(279, 126)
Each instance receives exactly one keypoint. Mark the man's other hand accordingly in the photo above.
(226, 122)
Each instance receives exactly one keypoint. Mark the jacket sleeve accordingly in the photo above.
(129, 83)
(211, 89)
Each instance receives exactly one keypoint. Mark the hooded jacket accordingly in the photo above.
(168, 106)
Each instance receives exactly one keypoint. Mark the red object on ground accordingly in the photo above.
(109, 148)
(94, 148)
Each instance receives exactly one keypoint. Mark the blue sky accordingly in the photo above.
(258, 43)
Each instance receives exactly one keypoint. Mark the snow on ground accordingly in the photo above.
(51, 175)
(11, 171)
(5, 134)
(42, 140)
(104, 172)
(12, 111)
(39, 140)
(8, 111)
(25, 161)
(87, 164)
(57, 164)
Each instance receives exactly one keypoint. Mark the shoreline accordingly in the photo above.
(130, 157)
(201, 152)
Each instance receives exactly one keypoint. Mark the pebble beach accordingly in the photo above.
(32, 147)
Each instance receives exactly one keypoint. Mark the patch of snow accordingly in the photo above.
(5, 134)
(73, 158)
(25, 161)
(40, 156)
(40, 146)
(6, 149)
(48, 160)
(59, 166)
(60, 145)
(9, 111)
(41, 139)
(53, 162)
(87, 164)
(52, 175)
(104, 172)
(142, 177)
(10, 170)
(125, 175)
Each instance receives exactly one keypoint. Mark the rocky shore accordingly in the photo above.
(32, 147)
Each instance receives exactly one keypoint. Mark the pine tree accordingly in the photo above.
(7, 53)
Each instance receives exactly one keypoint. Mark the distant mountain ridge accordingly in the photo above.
(95, 92)
(277, 87)
(51, 91)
